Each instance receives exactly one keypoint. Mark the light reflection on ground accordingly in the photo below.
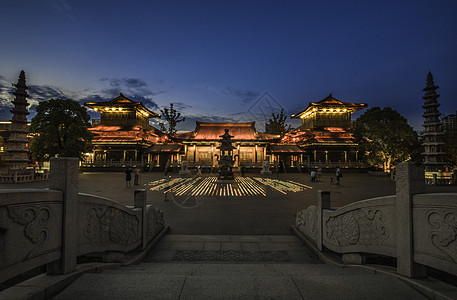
(210, 186)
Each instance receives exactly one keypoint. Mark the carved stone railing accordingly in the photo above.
(30, 230)
(17, 177)
(364, 226)
(54, 226)
(417, 229)
(334, 164)
(115, 164)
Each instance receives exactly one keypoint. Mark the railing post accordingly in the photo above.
(323, 202)
(140, 202)
(409, 181)
(64, 177)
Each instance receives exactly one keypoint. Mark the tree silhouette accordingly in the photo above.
(173, 118)
(277, 124)
(386, 138)
(60, 128)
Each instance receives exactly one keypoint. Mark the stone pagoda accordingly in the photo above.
(18, 154)
(433, 131)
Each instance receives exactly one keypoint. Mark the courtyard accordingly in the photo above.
(237, 215)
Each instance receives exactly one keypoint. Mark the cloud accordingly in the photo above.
(127, 82)
(62, 7)
(133, 88)
(6, 90)
(147, 102)
(180, 106)
(46, 92)
(128, 86)
(244, 96)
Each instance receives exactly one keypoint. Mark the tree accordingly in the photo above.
(60, 128)
(277, 124)
(386, 137)
(173, 118)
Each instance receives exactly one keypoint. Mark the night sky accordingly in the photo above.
(232, 61)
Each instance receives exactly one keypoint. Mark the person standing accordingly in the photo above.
(313, 176)
(128, 176)
(319, 174)
(338, 175)
(136, 176)
(167, 166)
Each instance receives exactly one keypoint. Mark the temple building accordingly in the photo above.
(123, 135)
(201, 145)
(123, 132)
(324, 136)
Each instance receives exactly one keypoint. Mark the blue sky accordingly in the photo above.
(231, 60)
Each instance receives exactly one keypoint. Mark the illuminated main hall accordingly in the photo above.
(123, 134)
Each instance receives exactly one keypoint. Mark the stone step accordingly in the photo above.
(238, 256)
(229, 269)
(217, 284)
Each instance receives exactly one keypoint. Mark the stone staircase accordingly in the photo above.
(235, 267)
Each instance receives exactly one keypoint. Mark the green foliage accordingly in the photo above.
(277, 124)
(386, 138)
(60, 128)
(173, 118)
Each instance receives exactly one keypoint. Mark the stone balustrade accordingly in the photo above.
(17, 177)
(417, 229)
(54, 226)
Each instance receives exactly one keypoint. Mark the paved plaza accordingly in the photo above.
(251, 215)
(237, 247)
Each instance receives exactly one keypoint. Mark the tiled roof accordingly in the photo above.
(165, 148)
(284, 148)
(324, 135)
(122, 102)
(213, 131)
(114, 134)
(330, 101)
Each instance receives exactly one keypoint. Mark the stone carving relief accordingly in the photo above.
(365, 226)
(415, 178)
(443, 234)
(306, 221)
(35, 220)
(155, 221)
(110, 225)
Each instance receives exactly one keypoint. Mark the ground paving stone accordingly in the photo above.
(231, 246)
(239, 287)
(355, 287)
(215, 246)
(250, 246)
(119, 286)
(241, 219)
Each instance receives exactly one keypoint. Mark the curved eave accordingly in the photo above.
(141, 143)
(351, 108)
(100, 107)
(328, 144)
